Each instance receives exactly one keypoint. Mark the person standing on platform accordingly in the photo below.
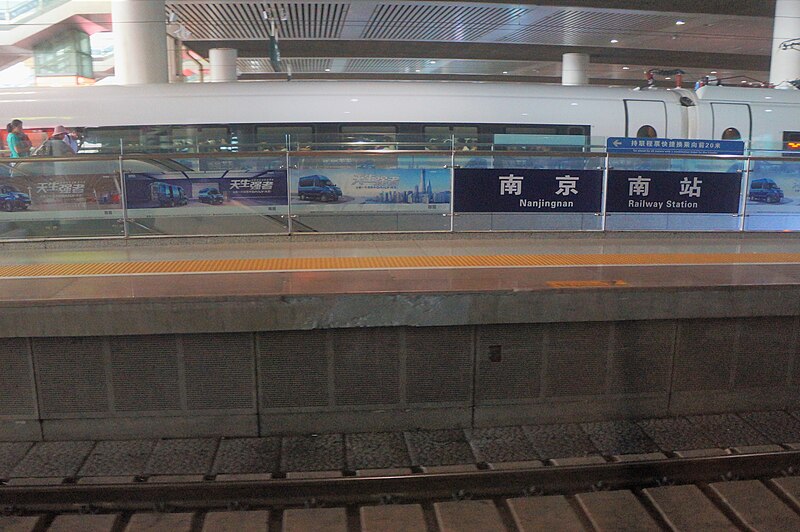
(71, 138)
(56, 145)
(18, 142)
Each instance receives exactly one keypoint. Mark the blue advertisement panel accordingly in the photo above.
(774, 188)
(36, 185)
(371, 189)
(89, 192)
(222, 190)
(527, 191)
(673, 192)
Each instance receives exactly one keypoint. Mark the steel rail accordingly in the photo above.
(423, 486)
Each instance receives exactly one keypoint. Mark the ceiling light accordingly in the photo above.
(713, 71)
(431, 62)
(614, 41)
(417, 70)
(574, 103)
(767, 97)
(668, 78)
(353, 99)
(679, 23)
(505, 72)
(767, 110)
(524, 114)
(626, 68)
(327, 70)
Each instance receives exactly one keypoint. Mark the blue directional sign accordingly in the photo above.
(674, 146)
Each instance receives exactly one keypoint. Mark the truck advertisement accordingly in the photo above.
(371, 189)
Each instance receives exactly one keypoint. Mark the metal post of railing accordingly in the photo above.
(452, 182)
(123, 199)
(744, 189)
(604, 192)
(288, 185)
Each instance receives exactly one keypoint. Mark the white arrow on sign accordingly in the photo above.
(617, 143)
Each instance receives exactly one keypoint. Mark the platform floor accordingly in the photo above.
(427, 263)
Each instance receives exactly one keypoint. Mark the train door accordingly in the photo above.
(732, 121)
(645, 118)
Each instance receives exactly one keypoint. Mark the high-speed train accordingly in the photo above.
(261, 114)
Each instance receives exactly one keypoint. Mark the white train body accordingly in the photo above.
(761, 116)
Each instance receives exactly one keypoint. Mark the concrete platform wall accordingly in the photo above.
(392, 378)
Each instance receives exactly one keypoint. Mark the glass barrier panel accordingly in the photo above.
(520, 192)
(246, 138)
(651, 193)
(773, 195)
(202, 194)
(369, 192)
(760, 148)
(60, 198)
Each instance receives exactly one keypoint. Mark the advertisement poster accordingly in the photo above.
(78, 186)
(202, 190)
(527, 191)
(673, 192)
(774, 188)
(371, 189)
(59, 193)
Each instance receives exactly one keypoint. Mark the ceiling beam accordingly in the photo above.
(488, 51)
(746, 8)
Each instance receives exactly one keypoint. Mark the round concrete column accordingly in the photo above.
(785, 63)
(575, 69)
(223, 64)
(140, 44)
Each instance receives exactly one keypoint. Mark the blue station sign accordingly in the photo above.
(673, 192)
(527, 191)
(674, 146)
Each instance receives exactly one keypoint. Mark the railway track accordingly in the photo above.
(434, 497)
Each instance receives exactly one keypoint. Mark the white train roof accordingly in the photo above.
(306, 101)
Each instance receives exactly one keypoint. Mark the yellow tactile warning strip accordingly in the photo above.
(387, 263)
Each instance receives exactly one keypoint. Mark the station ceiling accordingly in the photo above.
(464, 39)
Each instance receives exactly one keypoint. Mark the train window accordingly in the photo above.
(647, 132)
(273, 138)
(731, 134)
(543, 137)
(438, 137)
(211, 137)
(368, 136)
(109, 139)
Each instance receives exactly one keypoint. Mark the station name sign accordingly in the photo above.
(673, 192)
(674, 146)
(525, 190)
(581, 191)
